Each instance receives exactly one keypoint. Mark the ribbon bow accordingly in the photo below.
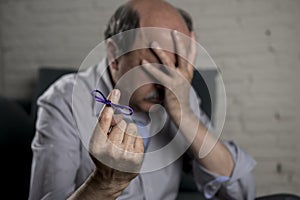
(125, 110)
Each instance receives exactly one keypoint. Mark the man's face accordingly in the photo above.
(147, 95)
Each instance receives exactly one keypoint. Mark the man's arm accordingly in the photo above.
(56, 146)
(221, 163)
(56, 152)
(177, 87)
(117, 152)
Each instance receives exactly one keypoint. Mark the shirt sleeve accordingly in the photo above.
(241, 183)
(55, 147)
(239, 186)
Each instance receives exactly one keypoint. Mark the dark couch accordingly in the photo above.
(17, 120)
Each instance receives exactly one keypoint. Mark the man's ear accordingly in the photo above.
(111, 50)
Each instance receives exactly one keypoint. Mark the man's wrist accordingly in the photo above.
(93, 188)
(108, 188)
(178, 113)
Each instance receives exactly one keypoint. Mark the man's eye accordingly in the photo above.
(176, 63)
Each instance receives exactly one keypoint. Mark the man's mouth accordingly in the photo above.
(154, 96)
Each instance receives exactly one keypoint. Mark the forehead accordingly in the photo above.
(164, 37)
(145, 36)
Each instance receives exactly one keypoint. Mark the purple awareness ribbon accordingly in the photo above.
(125, 110)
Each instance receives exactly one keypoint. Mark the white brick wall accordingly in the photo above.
(254, 42)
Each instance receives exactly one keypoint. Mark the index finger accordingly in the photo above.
(105, 118)
(192, 52)
(180, 49)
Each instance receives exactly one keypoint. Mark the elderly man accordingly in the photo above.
(63, 168)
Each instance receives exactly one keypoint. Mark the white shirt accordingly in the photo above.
(61, 163)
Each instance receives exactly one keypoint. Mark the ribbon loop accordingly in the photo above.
(125, 110)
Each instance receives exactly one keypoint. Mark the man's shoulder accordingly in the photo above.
(62, 89)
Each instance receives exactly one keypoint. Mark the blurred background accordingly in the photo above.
(255, 43)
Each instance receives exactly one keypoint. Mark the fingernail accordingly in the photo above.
(116, 92)
(144, 62)
(175, 33)
(154, 45)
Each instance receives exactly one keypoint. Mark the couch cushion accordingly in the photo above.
(17, 130)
